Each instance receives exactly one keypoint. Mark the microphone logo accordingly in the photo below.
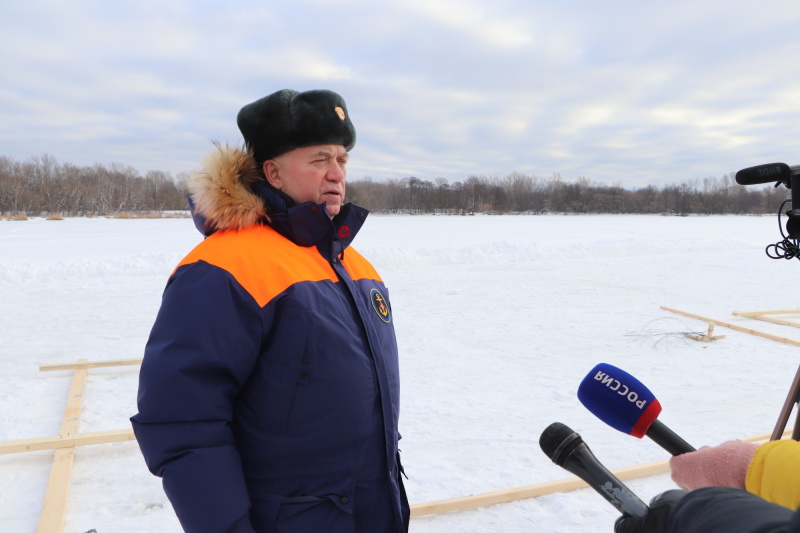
(620, 388)
(619, 496)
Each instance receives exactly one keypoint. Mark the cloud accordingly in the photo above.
(473, 19)
(619, 91)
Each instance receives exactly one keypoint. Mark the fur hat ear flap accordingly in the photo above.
(288, 119)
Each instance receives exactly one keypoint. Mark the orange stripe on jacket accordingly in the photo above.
(358, 267)
(246, 253)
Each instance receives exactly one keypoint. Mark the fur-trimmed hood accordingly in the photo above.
(221, 193)
(230, 193)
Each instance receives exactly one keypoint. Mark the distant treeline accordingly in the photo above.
(42, 186)
(523, 193)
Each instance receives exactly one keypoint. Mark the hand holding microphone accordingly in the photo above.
(624, 403)
(655, 521)
(713, 466)
(718, 472)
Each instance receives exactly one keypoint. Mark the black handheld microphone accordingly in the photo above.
(624, 403)
(567, 449)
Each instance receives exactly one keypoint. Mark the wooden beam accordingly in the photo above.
(734, 326)
(762, 315)
(549, 487)
(65, 441)
(529, 491)
(84, 364)
(51, 519)
(777, 312)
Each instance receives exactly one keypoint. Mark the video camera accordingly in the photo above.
(780, 173)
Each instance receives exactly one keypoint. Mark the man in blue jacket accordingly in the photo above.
(269, 391)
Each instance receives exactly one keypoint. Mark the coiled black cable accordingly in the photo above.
(787, 248)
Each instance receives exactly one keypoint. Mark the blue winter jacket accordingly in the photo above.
(270, 382)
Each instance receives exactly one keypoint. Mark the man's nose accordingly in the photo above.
(336, 172)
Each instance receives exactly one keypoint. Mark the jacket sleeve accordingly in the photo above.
(774, 473)
(202, 348)
(729, 510)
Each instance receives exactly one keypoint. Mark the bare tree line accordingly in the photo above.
(523, 193)
(42, 186)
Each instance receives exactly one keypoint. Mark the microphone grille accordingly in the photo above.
(557, 441)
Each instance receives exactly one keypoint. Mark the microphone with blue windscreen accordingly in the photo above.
(624, 403)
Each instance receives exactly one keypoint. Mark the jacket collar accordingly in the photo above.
(308, 224)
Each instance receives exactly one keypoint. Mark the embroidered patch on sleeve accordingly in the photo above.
(380, 306)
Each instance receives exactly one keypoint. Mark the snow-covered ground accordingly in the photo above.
(499, 318)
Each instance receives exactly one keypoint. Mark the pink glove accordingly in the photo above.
(718, 466)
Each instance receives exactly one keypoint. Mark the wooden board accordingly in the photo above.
(84, 364)
(764, 315)
(549, 487)
(529, 491)
(51, 519)
(734, 326)
(65, 441)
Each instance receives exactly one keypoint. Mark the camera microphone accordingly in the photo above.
(769, 173)
(567, 449)
(790, 177)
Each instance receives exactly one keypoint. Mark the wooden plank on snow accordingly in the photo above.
(51, 519)
(549, 487)
(65, 441)
(84, 364)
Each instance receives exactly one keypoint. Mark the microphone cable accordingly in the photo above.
(787, 248)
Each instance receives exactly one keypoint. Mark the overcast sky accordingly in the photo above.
(620, 92)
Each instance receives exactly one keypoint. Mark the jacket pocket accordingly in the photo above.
(301, 514)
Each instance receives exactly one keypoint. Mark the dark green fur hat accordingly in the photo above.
(288, 119)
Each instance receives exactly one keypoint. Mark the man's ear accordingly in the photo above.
(271, 169)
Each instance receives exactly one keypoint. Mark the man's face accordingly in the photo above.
(311, 174)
